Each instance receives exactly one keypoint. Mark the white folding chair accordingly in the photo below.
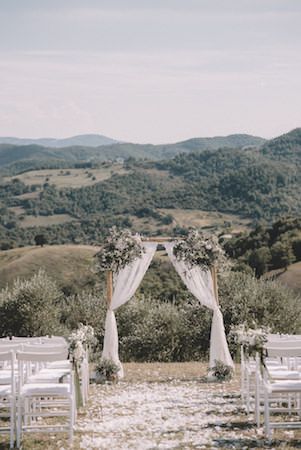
(5, 366)
(7, 396)
(48, 399)
(282, 394)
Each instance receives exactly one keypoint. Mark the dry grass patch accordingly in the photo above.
(200, 218)
(72, 178)
(292, 276)
(67, 264)
(164, 372)
(45, 221)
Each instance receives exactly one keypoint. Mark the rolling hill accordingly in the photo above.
(87, 140)
(286, 147)
(250, 183)
(17, 158)
(69, 265)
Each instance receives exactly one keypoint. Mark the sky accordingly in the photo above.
(153, 71)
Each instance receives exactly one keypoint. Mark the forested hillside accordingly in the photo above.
(256, 184)
(266, 248)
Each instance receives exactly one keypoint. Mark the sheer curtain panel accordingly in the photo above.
(126, 283)
(199, 283)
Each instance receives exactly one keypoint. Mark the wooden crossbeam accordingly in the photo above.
(158, 239)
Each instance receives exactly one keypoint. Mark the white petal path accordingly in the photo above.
(167, 415)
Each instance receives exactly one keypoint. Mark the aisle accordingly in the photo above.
(164, 415)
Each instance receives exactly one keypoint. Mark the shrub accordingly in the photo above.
(156, 330)
(245, 299)
(87, 307)
(30, 307)
(152, 330)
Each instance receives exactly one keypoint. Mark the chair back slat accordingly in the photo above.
(283, 352)
(6, 356)
(9, 346)
(40, 357)
(44, 348)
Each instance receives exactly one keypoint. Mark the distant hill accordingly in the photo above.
(86, 140)
(286, 147)
(256, 184)
(231, 141)
(69, 265)
(37, 155)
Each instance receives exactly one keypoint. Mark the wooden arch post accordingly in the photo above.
(214, 280)
(109, 288)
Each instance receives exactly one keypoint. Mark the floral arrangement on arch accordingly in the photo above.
(120, 249)
(199, 249)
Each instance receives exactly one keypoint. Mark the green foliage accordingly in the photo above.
(87, 307)
(245, 299)
(152, 330)
(285, 147)
(267, 248)
(149, 329)
(30, 307)
(255, 183)
(40, 239)
(161, 281)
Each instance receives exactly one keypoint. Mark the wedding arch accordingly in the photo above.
(200, 280)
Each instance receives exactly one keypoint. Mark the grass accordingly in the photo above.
(290, 277)
(68, 264)
(69, 178)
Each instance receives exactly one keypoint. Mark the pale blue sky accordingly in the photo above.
(149, 70)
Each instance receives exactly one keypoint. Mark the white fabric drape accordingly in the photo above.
(126, 283)
(199, 282)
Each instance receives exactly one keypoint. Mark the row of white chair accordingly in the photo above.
(37, 381)
(28, 398)
(44, 344)
(276, 386)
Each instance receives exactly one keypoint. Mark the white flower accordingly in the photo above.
(121, 249)
(199, 250)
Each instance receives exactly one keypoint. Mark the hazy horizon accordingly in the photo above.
(144, 71)
(133, 142)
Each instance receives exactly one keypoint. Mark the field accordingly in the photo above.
(228, 223)
(69, 178)
(290, 277)
(208, 219)
(69, 265)
(45, 221)
(164, 406)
